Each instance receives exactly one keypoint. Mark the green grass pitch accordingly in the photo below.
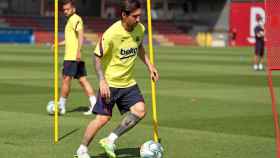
(211, 104)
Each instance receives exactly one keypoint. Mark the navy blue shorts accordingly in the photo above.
(259, 48)
(123, 97)
(74, 69)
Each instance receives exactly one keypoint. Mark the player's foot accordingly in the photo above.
(108, 147)
(256, 67)
(89, 112)
(260, 67)
(82, 152)
(62, 110)
(82, 155)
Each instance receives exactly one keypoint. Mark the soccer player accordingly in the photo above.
(259, 45)
(73, 66)
(115, 57)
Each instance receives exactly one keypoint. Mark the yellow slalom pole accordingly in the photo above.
(151, 52)
(56, 71)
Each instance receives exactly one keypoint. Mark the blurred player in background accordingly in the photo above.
(259, 45)
(73, 66)
(115, 57)
(233, 36)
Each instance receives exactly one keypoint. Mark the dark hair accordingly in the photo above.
(128, 6)
(72, 2)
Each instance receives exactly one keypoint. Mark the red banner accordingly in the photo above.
(243, 20)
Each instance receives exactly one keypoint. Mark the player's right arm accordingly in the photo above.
(143, 56)
(259, 32)
(79, 29)
(61, 43)
(102, 48)
(103, 85)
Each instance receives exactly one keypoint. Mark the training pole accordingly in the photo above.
(56, 71)
(151, 52)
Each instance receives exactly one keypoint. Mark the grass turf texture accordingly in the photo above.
(211, 104)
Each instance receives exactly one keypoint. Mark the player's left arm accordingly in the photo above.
(143, 56)
(80, 43)
(259, 32)
(79, 29)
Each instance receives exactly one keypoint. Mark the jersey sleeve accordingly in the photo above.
(103, 46)
(77, 24)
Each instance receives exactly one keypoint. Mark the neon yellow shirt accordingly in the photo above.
(74, 24)
(118, 50)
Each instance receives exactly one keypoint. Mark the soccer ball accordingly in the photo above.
(50, 107)
(151, 149)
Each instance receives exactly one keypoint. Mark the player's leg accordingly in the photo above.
(81, 75)
(65, 91)
(261, 67)
(136, 113)
(85, 84)
(132, 102)
(93, 127)
(256, 58)
(89, 92)
(261, 62)
(69, 70)
(104, 113)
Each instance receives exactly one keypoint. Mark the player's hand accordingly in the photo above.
(154, 73)
(262, 33)
(78, 56)
(104, 90)
(52, 47)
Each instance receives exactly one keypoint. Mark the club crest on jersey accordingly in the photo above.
(124, 38)
(127, 53)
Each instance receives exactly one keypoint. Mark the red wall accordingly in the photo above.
(243, 20)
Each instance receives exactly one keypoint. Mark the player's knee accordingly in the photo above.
(82, 81)
(103, 119)
(142, 114)
(82, 84)
(66, 78)
(139, 110)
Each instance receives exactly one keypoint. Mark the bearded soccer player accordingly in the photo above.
(115, 57)
(73, 66)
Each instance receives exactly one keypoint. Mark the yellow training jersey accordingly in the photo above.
(74, 24)
(118, 51)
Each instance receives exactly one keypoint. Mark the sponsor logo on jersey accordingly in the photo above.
(127, 53)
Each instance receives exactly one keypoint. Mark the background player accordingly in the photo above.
(73, 66)
(259, 45)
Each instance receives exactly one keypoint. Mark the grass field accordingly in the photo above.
(211, 105)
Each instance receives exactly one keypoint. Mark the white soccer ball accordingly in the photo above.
(151, 149)
(50, 107)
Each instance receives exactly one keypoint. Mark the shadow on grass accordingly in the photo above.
(79, 109)
(68, 134)
(122, 153)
